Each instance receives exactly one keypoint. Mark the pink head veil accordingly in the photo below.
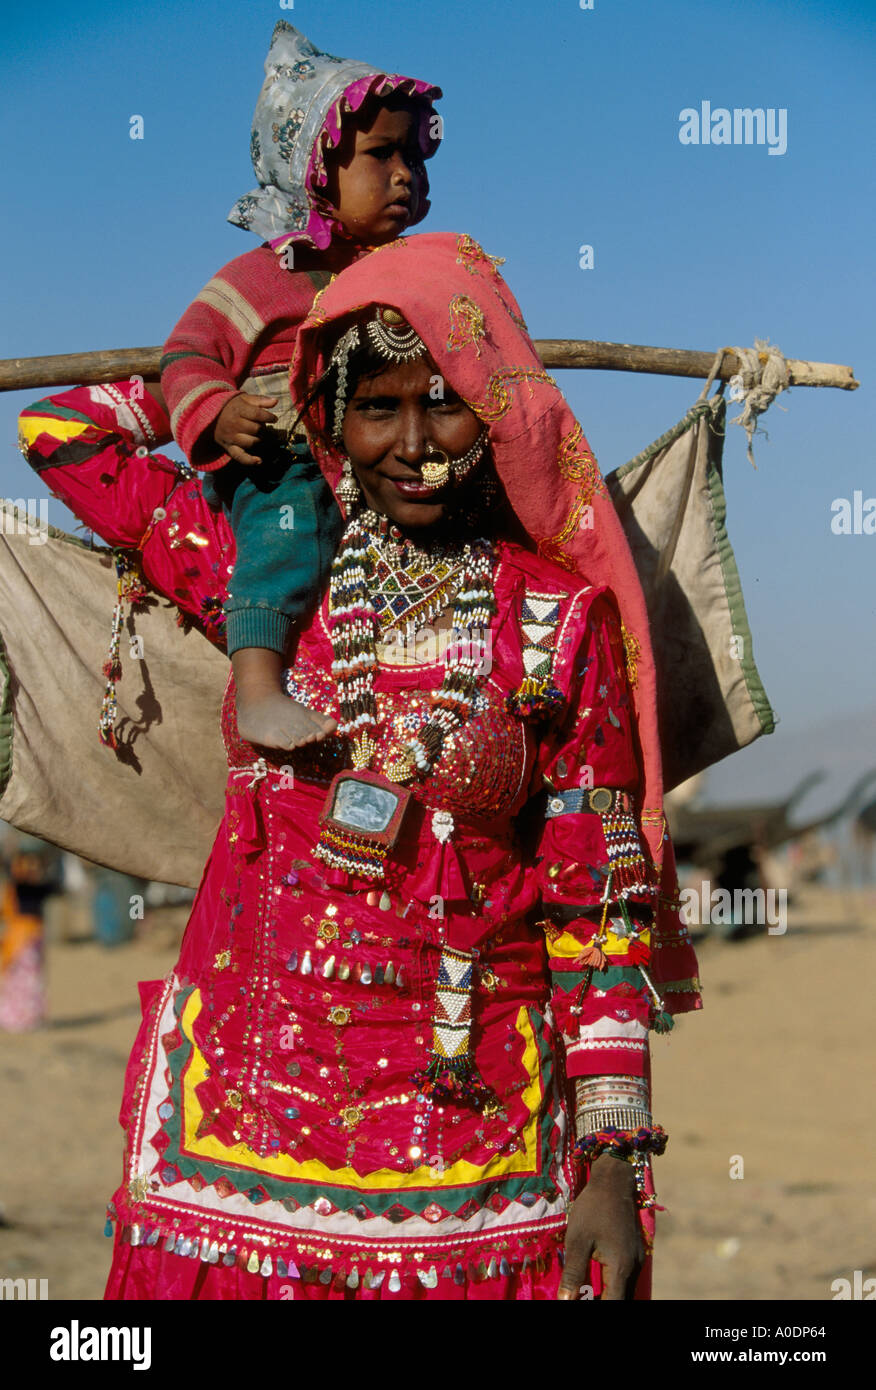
(451, 292)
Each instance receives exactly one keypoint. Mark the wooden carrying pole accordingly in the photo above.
(90, 368)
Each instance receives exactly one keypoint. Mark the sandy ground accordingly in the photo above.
(776, 1070)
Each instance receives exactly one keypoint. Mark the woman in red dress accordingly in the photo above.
(404, 1052)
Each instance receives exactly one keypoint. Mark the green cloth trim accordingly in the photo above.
(696, 411)
(57, 534)
(171, 357)
(733, 590)
(257, 1185)
(56, 412)
(567, 980)
(716, 408)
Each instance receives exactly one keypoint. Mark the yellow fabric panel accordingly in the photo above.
(381, 1179)
(32, 426)
(566, 946)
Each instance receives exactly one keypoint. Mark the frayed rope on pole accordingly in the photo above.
(763, 376)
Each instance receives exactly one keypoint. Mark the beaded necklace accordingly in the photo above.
(353, 624)
(412, 586)
(359, 826)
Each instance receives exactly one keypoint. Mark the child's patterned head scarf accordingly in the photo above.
(299, 115)
(450, 292)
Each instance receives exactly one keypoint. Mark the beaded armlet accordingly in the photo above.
(537, 697)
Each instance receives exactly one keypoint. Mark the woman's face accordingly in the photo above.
(391, 424)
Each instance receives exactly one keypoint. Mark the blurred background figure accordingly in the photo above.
(29, 872)
(863, 834)
(49, 897)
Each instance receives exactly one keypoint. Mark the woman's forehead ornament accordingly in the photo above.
(393, 338)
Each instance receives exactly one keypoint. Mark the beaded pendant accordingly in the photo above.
(451, 1074)
(360, 822)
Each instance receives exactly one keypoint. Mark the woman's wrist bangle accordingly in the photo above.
(593, 1121)
(619, 1102)
(624, 1143)
(632, 1148)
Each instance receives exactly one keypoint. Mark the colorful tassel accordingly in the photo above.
(131, 588)
(454, 1081)
(213, 614)
(535, 699)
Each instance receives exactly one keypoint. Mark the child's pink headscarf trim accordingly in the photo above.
(305, 98)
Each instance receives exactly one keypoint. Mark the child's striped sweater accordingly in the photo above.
(243, 324)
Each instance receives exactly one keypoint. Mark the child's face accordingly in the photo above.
(374, 180)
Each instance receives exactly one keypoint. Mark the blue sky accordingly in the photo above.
(561, 128)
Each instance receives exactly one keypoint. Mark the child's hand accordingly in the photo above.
(239, 423)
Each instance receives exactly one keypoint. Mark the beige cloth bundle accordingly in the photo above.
(152, 807)
(670, 499)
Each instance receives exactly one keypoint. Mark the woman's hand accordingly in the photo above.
(604, 1226)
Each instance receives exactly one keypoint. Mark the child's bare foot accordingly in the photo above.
(272, 720)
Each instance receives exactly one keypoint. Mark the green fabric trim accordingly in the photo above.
(318, 278)
(695, 413)
(6, 720)
(733, 590)
(57, 534)
(567, 980)
(716, 409)
(171, 357)
(56, 412)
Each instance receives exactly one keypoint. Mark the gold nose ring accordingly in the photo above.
(436, 468)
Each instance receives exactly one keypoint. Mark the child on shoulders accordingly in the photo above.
(339, 151)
